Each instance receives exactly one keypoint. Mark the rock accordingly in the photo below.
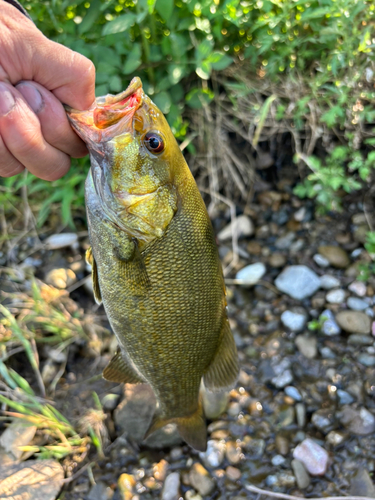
(192, 495)
(358, 287)
(336, 256)
(354, 322)
(313, 457)
(110, 401)
(281, 479)
(60, 278)
(329, 325)
(283, 375)
(361, 484)
(214, 403)
(299, 282)
(366, 359)
(336, 296)
(344, 397)
(214, 455)
(328, 282)
(134, 414)
(282, 444)
(307, 345)
(15, 435)
(250, 275)
(171, 487)
(277, 260)
(277, 460)
(301, 415)
(300, 214)
(357, 304)
(294, 319)
(360, 422)
(284, 242)
(126, 485)
(335, 438)
(31, 480)
(302, 477)
(293, 393)
(62, 240)
(201, 480)
(320, 260)
(243, 225)
(233, 474)
(255, 447)
(233, 452)
(357, 339)
(100, 491)
(323, 420)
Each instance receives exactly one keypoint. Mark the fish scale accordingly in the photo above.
(156, 267)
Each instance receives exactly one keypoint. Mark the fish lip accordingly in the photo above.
(108, 117)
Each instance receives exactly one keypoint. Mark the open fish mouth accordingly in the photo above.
(108, 117)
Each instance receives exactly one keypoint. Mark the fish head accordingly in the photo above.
(134, 157)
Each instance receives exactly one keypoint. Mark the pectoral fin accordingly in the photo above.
(119, 370)
(94, 273)
(222, 373)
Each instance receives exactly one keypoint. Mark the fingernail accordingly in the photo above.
(32, 96)
(7, 101)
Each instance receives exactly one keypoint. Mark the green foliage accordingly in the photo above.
(342, 171)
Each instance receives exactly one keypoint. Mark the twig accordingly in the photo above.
(78, 473)
(274, 494)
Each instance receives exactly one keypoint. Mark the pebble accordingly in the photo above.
(360, 422)
(302, 477)
(295, 319)
(328, 282)
(357, 339)
(126, 485)
(60, 278)
(171, 487)
(323, 420)
(361, 484)
(62, 240)
(201, 480)
(366, 359)
(335, 438)
(100, 491)
(300, 214)
(281, 479)
(250, 275)
(284, 242)
(313, 457)
(277, 260)
(320, 260)
(293, 393)
(243, 225)
(215, 453)
(301, 415)
(329, 326)
(357, 304)
(307, 345)
(354, 322)
(336, 296)
(233, 452)
(255, 447)
(110, 401)
(283, 375)
(358, 287)
(233, 474)
(277, 460)
(298, 281)
(282, 444)
(344, 397)
(336, 256)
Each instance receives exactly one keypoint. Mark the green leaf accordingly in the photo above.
(164, 8)
(115, 83)
(163, 102)
(133, 61)
(120, 24)
(219, 61)
(203, 50)
(204, 70)
(151, 6)
(92, 14)
(197, 98)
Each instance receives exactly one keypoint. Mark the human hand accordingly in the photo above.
(36, 76)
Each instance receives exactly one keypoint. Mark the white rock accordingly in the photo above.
(357, 304)
(250, 275)
(299, 282)
(293, 320)
(358, 287)
(313, 457)
(214, 455)
(171, 487)
(328, 282)
(243, 225)
(61, 240)
(320, 260)
(336, 296)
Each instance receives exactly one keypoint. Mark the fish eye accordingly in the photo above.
(154, 142)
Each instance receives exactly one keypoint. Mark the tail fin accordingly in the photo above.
(192, 429)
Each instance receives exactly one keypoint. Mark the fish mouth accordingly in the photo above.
(108, 117)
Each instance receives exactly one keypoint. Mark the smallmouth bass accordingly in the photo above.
(155, 265)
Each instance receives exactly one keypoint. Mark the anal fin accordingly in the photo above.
(222, 373)
(119, 370)
(94, 274)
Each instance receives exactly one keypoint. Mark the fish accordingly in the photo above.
(155, 263)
